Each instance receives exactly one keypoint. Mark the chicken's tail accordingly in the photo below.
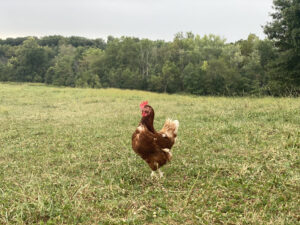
(170, 128)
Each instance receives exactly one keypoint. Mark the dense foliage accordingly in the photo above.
(284, 30)
(199, 65)
(190, 63)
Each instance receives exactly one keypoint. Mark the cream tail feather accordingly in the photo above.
(170, 127)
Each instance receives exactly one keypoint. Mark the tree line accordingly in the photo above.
(206, 65)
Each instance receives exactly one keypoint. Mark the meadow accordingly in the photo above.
(66, 158)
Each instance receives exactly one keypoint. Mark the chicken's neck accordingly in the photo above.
(148, 122)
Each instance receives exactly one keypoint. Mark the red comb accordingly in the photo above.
(142, 105)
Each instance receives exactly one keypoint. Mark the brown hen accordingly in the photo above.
(154, 147)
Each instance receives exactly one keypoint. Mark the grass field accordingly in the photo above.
(66, 158)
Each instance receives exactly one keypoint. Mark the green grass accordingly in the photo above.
(66, 158)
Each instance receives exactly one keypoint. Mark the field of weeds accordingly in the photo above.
(66, 158)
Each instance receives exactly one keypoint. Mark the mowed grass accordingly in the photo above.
(66, 158)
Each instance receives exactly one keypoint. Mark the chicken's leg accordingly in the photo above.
(153, 173)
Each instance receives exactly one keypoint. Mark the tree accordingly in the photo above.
(248, 46)
(252, 73)
(170, 77)
(267, 52)
(145, 57)
(62, 73)
(284, 30)
(52, 41)
(32, 61)
(215, 78)
(210, 46)
(193, 78)
(90, 68)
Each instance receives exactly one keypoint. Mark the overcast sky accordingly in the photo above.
(153, 19)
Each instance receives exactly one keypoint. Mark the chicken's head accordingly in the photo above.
(146, 109)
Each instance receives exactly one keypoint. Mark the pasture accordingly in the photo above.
(66, 158)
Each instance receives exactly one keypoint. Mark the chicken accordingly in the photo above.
(154, 147)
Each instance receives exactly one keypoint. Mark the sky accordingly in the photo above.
(153, 19)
